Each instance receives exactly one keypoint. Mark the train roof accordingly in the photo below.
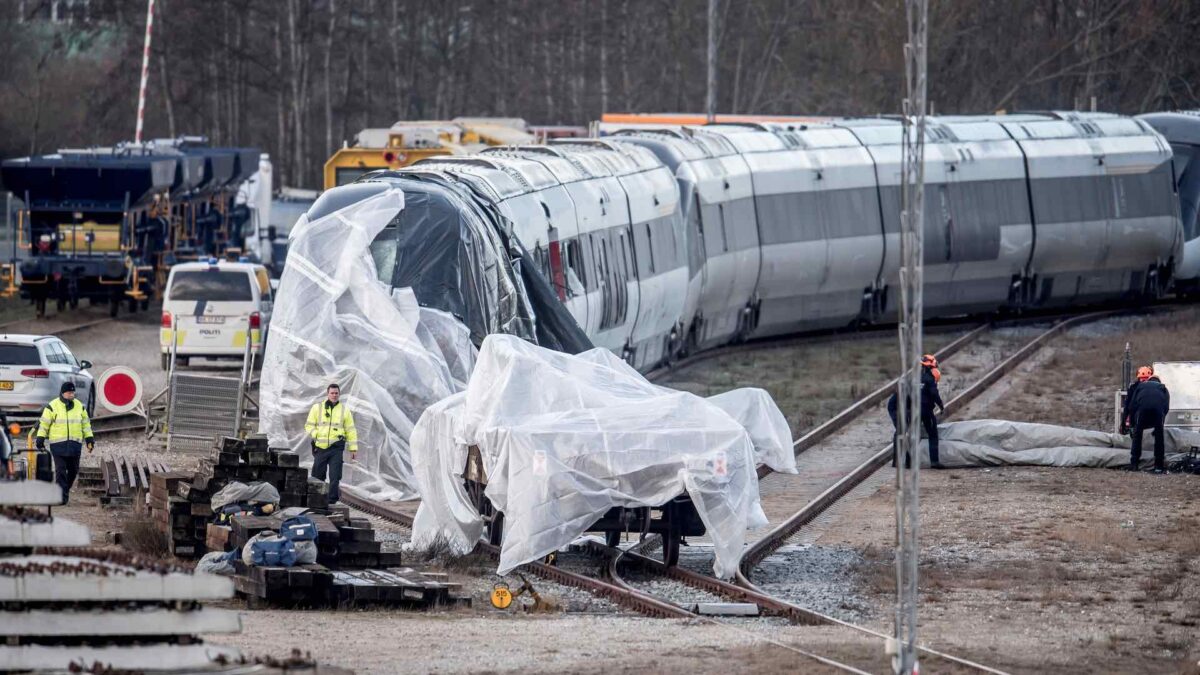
(1179, 127)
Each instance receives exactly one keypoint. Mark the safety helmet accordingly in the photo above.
(930, 361)
(1144, 373)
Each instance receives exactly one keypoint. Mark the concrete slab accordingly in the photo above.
(29, 493)
(124, 622)
(58, 532)
(140, 657)
(115, 582)
(727, 608)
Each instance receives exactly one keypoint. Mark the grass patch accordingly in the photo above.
(440, 554)
(140, 535)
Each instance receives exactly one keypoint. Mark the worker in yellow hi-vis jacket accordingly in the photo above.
(330, 426)
(66, 424)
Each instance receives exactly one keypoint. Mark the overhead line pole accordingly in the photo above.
(912, 199)
(710, 103)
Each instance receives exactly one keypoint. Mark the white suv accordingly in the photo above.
(33, 369)
(212, 308)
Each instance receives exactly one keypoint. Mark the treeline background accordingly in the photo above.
(298, 77)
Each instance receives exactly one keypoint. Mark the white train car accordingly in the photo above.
(818, 218)
(1182, 131)
(646, 200)
(716, 191)
(978, 235)
(658, 242)
(1106, 218)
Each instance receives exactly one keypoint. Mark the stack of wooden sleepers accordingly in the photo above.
(67, 606)
(127, 478)
(351, 568)
(181, 503)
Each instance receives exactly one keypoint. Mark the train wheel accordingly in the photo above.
(114, 305)
(133, 305)
(671, 548)
(146, 305)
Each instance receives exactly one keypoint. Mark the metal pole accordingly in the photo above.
(710, 105)
(912, 199)
(137, 136)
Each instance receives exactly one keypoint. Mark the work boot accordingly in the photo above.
(936, 465)
(1159, 471)
(1132, 467)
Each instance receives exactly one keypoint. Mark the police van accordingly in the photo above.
(211, 309)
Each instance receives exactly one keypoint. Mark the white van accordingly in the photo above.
(212, 308)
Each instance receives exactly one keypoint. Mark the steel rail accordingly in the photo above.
(745, 591)
(618, 591)
(638, 602)
(778, 536)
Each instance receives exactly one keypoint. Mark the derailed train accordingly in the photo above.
(659, 242)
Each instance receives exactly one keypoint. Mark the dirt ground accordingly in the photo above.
(1055, 569)
(810, 382)
(1029, 570)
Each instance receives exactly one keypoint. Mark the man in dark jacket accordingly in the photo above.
(930, 398)
(1146, 405)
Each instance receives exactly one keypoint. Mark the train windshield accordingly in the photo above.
(19, 355)
(211, 286)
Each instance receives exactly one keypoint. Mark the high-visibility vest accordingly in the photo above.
(328, 425)
(60, 423)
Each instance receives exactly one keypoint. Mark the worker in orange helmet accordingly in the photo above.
(930, 398)
(1146, 406)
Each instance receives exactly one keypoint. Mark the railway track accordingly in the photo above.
(818, 501)
(745, 591)
(620, 593)
(634, 596)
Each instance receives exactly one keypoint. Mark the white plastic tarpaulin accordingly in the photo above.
(336, 322)
(1001, 442)
(564, 438)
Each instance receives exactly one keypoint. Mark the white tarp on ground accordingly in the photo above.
(1000, 442)
(564, 438)
(334, 321)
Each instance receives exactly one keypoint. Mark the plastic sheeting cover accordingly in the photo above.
(335, 321)
(1000, 442)
(565, 438)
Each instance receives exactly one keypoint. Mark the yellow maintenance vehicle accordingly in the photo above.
(406, 143)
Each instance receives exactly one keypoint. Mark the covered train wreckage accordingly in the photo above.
(565, 432)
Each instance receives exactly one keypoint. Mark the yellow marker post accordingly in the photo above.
(501, 596)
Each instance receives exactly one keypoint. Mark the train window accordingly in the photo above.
(650, 248)
(575, 261)
(626, 260)
(383, 252)
(695, 243)
(724, 232)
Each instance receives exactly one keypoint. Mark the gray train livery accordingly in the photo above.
(659, 242)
